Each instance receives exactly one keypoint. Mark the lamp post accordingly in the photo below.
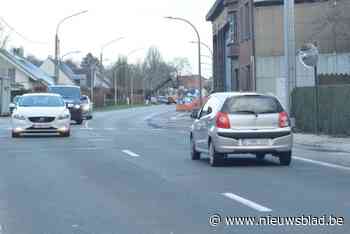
(205, 45)
(104, 46)
(57, 42)
(199, 53)
(69, 53)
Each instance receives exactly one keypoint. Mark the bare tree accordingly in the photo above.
(4, 36)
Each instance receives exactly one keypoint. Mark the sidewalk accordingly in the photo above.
(324, 142)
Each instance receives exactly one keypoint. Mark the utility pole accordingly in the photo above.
(289, 51)
(57, 43)
(57, 60)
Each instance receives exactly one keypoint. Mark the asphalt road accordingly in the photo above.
(129, 171)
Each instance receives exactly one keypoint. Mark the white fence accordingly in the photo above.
(270, 72)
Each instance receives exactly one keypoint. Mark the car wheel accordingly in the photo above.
(285, 158)
(260, 156)
(215, 159)
(195, 155)
(80, 121)
(65, 134)
(15, 135)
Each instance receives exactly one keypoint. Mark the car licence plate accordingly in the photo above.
(40, 126)
(255, 142)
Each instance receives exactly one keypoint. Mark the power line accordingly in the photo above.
(20, 34)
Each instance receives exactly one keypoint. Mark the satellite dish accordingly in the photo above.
(308, 55)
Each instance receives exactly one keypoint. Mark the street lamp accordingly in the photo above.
(199, 53)
(57, 42)
(104, 46)
(69, 53)
(205, 45)
(212, 57)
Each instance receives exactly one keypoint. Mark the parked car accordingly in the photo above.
(240, 123)
(41, 113)
(154, 100)
(14, 103)
(71, 96)
(162, 100)
(86, 107)
(171, 100)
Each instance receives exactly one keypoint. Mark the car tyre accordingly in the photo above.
(195, 155)
(260, 156)
(65, 134)
(15, 135)
(215, 159)
(80, 121)
(285, 158)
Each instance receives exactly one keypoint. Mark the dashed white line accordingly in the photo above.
(130, 153)
(325, 164)
(247, 202)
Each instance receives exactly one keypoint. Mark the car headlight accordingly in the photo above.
(77, 106)
(19, 117)
(64, 116)
(70, 105)
(86, 107)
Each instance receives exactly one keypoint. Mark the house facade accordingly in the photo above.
(66, 75)
(248, 41)
(233, 45)
(23, 75)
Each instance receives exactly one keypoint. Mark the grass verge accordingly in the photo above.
(118, 107)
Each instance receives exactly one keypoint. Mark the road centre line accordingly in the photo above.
(325, 164)
(130, 153)
(247, 202)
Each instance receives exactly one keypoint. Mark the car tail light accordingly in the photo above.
(283, 120)
(222, 120)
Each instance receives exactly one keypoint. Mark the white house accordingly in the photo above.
(66, 75)
(23, 74)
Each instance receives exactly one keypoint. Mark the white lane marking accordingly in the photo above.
(130, 153)
(325, 164)
(247, 202)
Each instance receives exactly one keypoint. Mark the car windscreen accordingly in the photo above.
(256, 104)
(41, 101)
(66, 92)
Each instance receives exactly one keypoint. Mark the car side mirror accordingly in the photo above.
(210, 110)
(194, 114)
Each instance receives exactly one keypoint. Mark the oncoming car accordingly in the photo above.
(41, 113)
(240, 123)
(71, 95)
(86, 107)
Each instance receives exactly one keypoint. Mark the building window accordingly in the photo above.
(232, 17)
(12, 75)
(241, 22)
(247, 20)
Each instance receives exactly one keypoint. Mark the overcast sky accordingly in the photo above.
(141, 22)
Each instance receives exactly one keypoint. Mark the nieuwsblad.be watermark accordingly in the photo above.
(304, 220)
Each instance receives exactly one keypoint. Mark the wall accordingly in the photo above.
(5, 96)
(310, 25)
(20, 77)
(49, 67)
(270, 72)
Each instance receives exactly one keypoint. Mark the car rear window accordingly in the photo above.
(257, 104)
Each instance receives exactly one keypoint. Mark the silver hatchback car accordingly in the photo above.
(240, 123)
